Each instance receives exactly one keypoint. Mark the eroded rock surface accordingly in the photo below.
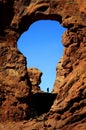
(34, 75)
(69, 109)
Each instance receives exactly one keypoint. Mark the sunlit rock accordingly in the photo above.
(68, 112)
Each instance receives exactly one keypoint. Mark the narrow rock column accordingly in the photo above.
(34, 76)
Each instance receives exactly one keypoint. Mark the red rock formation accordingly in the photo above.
(34, 76)
(70, 103)
(69, 109)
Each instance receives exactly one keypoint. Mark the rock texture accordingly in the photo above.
(69, 109)
(14, 84)
(70, 103)
(34, 75)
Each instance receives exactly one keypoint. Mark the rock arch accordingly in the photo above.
(41, 45)
(15, 88)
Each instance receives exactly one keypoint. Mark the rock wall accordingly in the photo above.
(69, 108)
(70, 84)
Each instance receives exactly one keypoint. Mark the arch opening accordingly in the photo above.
(41, 45)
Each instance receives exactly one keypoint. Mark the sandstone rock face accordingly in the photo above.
(69, 109)
(34, 75)
(14, 85)
(70, 103)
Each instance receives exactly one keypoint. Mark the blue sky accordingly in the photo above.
(41, 45)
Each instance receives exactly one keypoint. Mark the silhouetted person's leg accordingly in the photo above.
(47, 90)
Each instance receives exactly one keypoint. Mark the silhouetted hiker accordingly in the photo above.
(47, 90)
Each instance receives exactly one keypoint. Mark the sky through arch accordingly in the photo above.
(41, 45)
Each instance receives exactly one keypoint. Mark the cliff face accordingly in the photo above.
(69, 108)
